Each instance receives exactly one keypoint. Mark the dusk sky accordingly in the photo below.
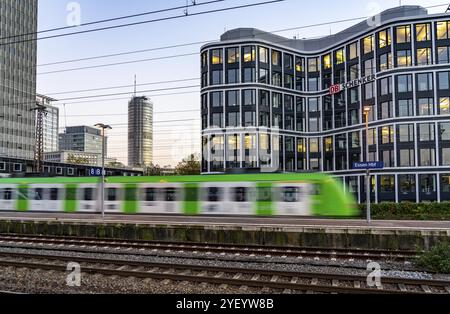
(175, 139)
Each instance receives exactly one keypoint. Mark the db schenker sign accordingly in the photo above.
(334, 89)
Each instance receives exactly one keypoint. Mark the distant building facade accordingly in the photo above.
(82, 139)
(140, 132)
(78, 157)
(18, 79)
(51, 123)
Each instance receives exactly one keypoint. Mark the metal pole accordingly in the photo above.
(103, 174)
(368, 171)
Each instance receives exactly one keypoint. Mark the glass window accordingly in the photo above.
(277, 121)
(384, 38)
(407, 183)
(313, 104)
(355, 140)
(289, 81)
(217, 120)
(387, 135)
(353, 51)
(232, 76)
(404, 83)
(276, 78)
(263, 55)
(369, 91)
(232, 98)
(276, 58)
(386, 110)
(444, 129)
(249, 118)
(249, 75)
(425, 82)
(263, 76)
(386, 61)
(407, 158)
(313, 124)
(233, 55)
(426, 106)
(427, 157)
(404, 58)
(427, 183)
(423, 56)
(264, 98)
(444, 105)
(216, 99)
(354, 72)
(443, 30)
(444, 80)
(299, 64)
(354, 95)
(403, 34)
(288, 62)
(443, 55)
(313, 84)
(314, 145)
(327, 61)
(406, 133)
(387, 184)
(276, 100)
(368, 44)
(217, 77)
(340, 56)
(445, 160)
(423, 32)
(288, 103)
(249, 53)
(204, 59)
(216, 56)
(313, 64)
(426, 132)
(369, 68)
(249, 97)
(385, 86)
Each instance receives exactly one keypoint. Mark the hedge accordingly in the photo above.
(408, 210)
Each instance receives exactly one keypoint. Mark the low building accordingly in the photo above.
(77, 157)
(83, 139)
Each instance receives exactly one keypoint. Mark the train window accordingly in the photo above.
(214, 194)
(241, 195)
(54, 194)
(89, 194)
(264, 194)
(7, 194)
(111, 194)
(170, 195)
(149, 195)
(290, 194)
(38, 194)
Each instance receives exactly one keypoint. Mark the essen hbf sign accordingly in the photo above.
(334, 89)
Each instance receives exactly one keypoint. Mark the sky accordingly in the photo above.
(176, 116)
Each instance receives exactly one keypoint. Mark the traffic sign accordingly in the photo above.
(368, 165)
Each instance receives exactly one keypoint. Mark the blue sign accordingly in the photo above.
(95, 172)
(368, 165)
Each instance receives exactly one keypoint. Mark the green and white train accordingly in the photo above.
(311, 194)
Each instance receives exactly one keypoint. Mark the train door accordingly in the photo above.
(46, 197)
(8, 196)
(114, 195)
(148, 197)
(293, 199)
(88, 198)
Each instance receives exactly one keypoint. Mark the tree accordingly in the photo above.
(72, 159)
(115, 165)
(153, 170)
(189, 166)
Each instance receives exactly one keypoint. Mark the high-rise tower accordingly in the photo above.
(140, 132)
(17, 77)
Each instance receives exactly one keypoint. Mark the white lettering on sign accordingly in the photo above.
(334, 89)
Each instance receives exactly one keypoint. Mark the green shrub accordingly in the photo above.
(436, 260)
(409, 210)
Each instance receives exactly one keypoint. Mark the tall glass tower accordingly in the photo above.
(140, 132)
(17, 77)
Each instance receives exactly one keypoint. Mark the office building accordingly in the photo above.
(51, 123)
(140, 132)
(82, 139)
(293, 105)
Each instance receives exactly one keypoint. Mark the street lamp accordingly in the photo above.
(367, 110)
(103, 127)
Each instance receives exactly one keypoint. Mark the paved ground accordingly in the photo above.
(231, 221)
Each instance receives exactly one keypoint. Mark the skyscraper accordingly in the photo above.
(140, 132)
(51, 123)
(17, 78)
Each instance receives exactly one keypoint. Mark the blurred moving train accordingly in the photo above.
(310, 194)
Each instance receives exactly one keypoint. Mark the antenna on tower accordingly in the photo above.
(135, 86)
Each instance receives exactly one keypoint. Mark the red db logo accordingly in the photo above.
(335, 89)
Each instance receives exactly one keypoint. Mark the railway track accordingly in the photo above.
(268, 281)
(222, 249)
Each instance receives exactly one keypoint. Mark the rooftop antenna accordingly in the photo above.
(135, 93)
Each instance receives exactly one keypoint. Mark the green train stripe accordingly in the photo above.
(70, 203)
(264, 199)
(191, 204)
(130, 204)
(22, 199)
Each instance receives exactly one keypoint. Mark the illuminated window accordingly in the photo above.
(423, 56)
(301, 146)
(250, 142)
(386, 61)
(313, 64)
(217, 56)
(233, 55)
(314, 145)
(384, 39)
(353, 51)
(249, 53)
(443, 30)
(327, 62)
(387, 135)
(264, 143)
(299, 64)
(403, 34)
(423, 32)
(340, 56)
(276, 58)
(372, 137)
(404, 58)
(263, 55)
(444, 105)
(329, 144)
(368, 44)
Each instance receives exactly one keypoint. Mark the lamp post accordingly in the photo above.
(367, 110)
(102, 202)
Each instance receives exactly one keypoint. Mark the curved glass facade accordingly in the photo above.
(268, 104)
